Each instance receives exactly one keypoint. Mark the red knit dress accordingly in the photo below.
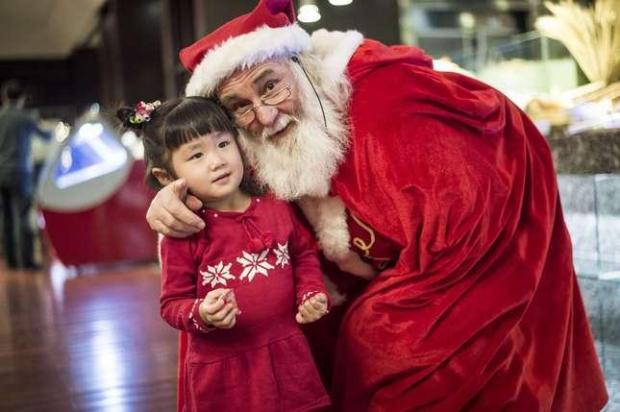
(270, 261)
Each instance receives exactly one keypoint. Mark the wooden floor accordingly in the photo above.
(85, 342)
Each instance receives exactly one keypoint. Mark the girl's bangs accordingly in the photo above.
(193, 119)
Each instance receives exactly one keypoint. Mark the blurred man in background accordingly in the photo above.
(16, 182)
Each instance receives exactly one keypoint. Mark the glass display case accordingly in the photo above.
(591, 206)
(463, 31)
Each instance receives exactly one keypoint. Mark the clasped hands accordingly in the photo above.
(219, 309)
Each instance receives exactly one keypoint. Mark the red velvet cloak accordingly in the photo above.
(482, 311)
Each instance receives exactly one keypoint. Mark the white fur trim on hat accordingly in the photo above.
(245, 51)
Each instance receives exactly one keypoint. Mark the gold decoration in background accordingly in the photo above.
(549, 110)
(592, 35)
(610, 92)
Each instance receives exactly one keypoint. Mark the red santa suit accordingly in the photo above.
(453, 188)
(450, 191)
(269, 260)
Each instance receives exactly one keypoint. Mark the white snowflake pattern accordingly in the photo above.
(254, 263)
(282, 256)
(219, 273)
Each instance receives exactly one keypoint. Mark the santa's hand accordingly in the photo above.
(353, 264)
(312, 309)
(219, 309)
(169, 216)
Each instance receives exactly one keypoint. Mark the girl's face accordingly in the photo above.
(212, 166)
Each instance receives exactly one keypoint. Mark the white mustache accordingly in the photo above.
(280, 124)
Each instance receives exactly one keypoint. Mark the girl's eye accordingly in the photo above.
(197, 155)
(223, 144)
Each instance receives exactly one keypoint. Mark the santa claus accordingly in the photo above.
(433, 186)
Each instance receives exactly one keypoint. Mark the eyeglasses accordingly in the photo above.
(246, 114)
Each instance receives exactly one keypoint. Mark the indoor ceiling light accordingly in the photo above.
(340, 2)
(467, 20)
(502, 5)
(308, 12)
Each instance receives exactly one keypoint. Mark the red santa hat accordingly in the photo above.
(269, 31)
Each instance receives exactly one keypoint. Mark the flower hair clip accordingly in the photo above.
(142, 112)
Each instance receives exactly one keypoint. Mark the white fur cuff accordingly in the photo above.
(329, 219)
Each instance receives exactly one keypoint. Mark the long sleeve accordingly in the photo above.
(43, 134)
(178, 301)
(31, 128)
(304, 254)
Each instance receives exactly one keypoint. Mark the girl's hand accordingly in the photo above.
(312, 309)
(219, 309)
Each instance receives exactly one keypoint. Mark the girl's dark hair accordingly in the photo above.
(174, 123)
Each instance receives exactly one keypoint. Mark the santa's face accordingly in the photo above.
(282, 128)
(262, 99)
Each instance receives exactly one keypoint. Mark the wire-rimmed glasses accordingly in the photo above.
(246, 114)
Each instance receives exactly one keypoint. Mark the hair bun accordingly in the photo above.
(136, 117)
(124, 114)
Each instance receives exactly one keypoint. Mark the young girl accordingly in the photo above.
(240, 287)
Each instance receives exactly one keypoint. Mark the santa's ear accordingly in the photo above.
(162, 176)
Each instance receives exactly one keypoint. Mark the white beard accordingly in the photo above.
(302, 162)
